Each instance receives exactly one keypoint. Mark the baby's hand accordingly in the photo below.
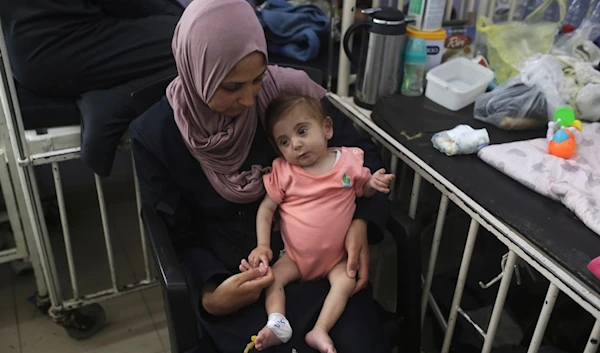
(381, 181)
(261, 253)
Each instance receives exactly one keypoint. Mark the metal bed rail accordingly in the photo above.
(76, 312)
(519, 249)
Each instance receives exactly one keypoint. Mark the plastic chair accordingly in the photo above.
(403, 327)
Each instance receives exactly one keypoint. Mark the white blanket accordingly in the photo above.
(574, 182)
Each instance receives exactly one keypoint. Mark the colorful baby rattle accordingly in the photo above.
(563, 142)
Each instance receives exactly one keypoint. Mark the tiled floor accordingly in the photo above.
(135, 323)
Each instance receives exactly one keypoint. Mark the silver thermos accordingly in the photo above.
(379, 62)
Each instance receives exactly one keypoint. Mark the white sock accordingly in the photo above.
(280, 327)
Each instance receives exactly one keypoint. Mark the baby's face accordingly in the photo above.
(302, 138)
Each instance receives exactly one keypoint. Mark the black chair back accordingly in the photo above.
(146, 96)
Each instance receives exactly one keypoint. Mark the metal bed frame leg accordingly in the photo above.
(107, 237)
(435, 245)
(344, 63)
(138, 201)
(402, 178)
(44, 245)
(460, 283)
(65, 228)
(414, 201)
(542, 323)
(16, 244)
(499, 304)
(414, 197)
(592, 344)
(13, 149)
(394, 170)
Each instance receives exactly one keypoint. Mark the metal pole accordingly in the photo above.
(42, 239)
(499, 304)
(414, 197)
(393, 170)
(402, 177)
(491, 9)
(449, 4)
(138, 201)
(106, 228)
(592, 344)
(401, 5)
(460, 283)
(461, 11)
(344, 62)
(511, 11)
(19, 151)
(435, 246)
(65, 228)
(540, 327)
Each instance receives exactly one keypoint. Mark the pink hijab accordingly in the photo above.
(211, 37)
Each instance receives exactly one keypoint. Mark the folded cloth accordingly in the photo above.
(291, 30)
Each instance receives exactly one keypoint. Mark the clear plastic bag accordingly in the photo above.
(580, 43)
(526, 101)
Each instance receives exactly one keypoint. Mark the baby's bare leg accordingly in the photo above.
(285, 271)
(342, 287)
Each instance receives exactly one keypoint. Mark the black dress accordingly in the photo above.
(212, 235)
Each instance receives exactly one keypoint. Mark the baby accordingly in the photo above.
(314, 188)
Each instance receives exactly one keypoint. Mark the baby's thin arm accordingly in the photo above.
(368, 190)
(379, 181)
(264, 219)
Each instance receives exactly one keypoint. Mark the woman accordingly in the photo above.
(200, 155)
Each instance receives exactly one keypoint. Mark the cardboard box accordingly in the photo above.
(460, 42)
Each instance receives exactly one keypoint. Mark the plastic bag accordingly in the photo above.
(509, 44)
(580, 43)
(526, 101)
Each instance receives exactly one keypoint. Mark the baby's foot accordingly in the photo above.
(265, 339)
(320, 340)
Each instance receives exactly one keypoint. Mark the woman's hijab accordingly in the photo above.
(211, 38)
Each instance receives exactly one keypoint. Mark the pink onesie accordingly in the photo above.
(316, 210)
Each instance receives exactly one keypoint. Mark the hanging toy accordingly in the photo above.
(564, 133)
(250, 345)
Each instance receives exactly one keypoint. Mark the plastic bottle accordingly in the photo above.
(576, 12)
(415, 55)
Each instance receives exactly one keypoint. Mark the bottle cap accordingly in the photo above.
(415, 51)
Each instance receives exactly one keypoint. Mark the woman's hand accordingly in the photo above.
(237, 291)
(358, 253)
